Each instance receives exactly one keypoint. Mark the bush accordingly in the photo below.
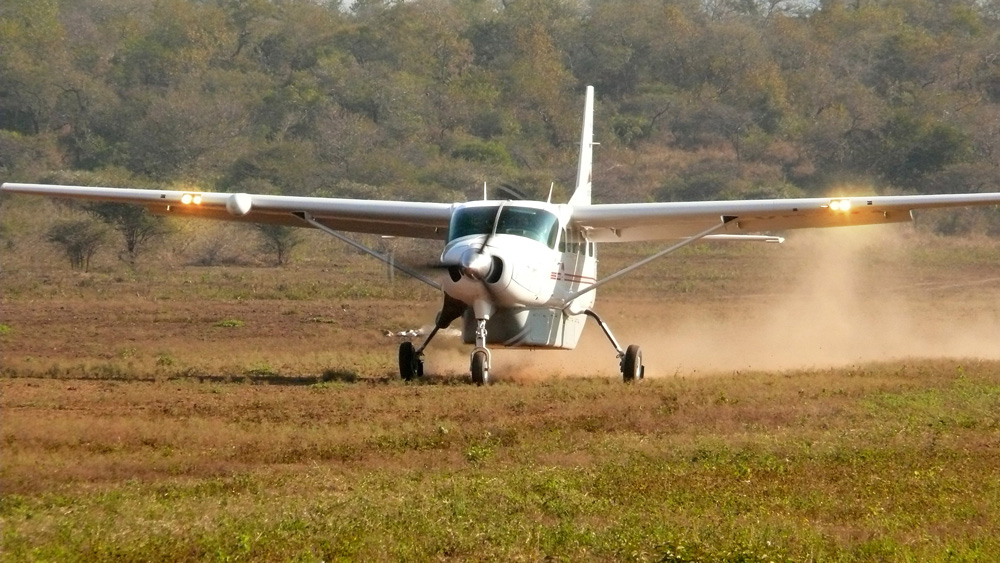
(279, 240)
(489, 152)
(79, 239)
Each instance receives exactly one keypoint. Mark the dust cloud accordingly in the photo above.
(844, 297)
(843, 306)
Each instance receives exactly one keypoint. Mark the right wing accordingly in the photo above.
(627, 222)
(392, 218)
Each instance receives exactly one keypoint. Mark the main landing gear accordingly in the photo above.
(411, 359)
(629, 360)
(411, 364)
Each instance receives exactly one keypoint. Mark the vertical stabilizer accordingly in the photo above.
(581, 195)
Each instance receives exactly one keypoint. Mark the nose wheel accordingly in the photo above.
(480, 368)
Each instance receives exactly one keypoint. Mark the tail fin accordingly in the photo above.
(581, 195)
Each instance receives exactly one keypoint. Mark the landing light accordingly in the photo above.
(843, 205)
(188, 199)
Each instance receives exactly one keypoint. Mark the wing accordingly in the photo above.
(396, 218)
(658, 221)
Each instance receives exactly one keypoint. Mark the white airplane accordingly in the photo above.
(524, 273)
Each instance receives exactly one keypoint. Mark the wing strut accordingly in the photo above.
(725, 221)
(308, 218)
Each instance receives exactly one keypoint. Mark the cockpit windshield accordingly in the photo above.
(536, 224)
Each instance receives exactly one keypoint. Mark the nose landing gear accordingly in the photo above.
(480, 366)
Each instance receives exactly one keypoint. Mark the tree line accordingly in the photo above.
(428, 99)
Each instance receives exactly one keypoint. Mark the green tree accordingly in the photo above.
(279, 240)
(132, 222)
(33, 65)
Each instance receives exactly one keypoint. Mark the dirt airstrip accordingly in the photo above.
(821, 299)
(831, 398)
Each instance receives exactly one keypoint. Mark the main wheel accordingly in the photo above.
(480, 373)
(632, 364)
(410, 365)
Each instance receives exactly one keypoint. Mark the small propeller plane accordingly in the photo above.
(524, 273)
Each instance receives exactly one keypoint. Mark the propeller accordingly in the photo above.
(478, 264)
(513, 192)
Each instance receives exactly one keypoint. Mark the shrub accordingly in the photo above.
(79, 239)
(279, 240)
(490, 152)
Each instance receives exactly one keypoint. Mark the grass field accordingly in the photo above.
(832, 399)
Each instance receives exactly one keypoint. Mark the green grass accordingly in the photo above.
(885, 462)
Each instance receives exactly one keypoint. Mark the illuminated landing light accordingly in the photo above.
(188, 199)
(843, 205)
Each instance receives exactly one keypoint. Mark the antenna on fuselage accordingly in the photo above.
(551, 187)
(484, 192)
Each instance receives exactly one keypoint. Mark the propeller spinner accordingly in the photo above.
(476, 264)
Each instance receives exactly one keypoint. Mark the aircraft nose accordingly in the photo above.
(476, 264)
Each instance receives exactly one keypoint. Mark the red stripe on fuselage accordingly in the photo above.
(574, 278)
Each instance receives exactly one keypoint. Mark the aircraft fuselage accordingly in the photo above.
(516, 263)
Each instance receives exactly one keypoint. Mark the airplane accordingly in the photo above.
(523, 274)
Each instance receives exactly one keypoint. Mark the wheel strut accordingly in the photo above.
(411, 360)
(630, 360)
(480, 361)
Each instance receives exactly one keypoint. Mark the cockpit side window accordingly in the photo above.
(471, 221)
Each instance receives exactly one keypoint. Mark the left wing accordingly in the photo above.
(627, 222)
(395, 218)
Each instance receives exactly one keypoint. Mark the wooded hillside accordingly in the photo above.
(428, 99)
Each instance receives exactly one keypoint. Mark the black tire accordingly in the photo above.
(409, 363)
(480, 375)
(632, 364)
